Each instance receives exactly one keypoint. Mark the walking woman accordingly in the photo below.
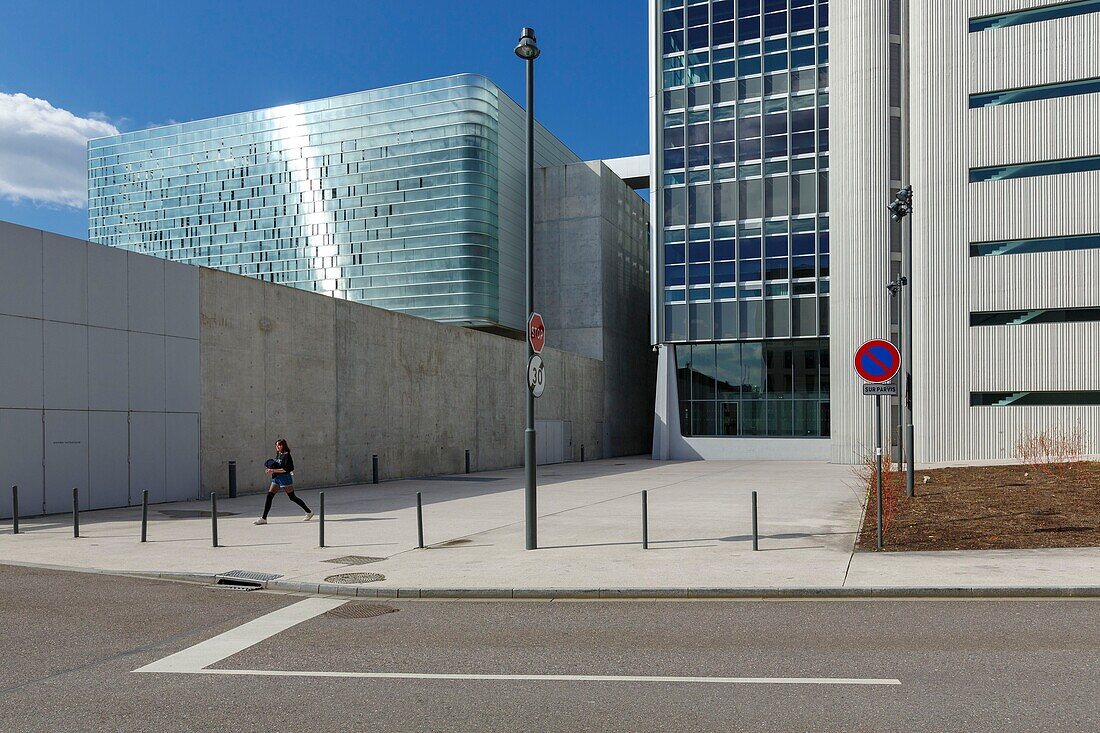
(281, 470)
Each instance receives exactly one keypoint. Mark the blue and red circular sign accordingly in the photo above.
(877, 361)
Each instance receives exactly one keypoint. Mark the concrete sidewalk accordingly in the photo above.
(589, 537)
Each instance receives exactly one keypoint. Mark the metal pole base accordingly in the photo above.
(530, 499)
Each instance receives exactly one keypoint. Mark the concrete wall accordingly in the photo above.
(99, 375)
(342, 381)
(592, 287)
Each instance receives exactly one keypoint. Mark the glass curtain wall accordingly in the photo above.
(390, 197)
(743, 191)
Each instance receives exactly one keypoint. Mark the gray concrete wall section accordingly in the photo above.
(342, 381)
(592, 287)
(99, 381)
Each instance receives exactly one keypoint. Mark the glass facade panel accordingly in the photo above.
(749, 120)
(389, 197)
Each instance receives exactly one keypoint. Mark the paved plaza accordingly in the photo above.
(589, 535)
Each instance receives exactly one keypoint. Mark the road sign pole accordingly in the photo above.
(531, 489)
(878, 464)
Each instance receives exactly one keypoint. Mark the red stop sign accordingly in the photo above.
(536, 332)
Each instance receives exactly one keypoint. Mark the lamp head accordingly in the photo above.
(527, 49)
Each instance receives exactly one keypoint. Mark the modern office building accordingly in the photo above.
(408, 198)
(740, 256)
(1004, 159)
(987, 109)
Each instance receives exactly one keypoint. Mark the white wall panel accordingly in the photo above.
(146, 296)
(1034, 53)
(147, 445)
(20, 362)
(181, 456)
(108, 369)
(20, 271)
(860, 126)
(979, 8)
(181, 300)
(146, 372)
(182, 375)
(109, 460)
(66, 464)
(107, 287)
(1048, 129)
(1042, 280)
(1041, 206)
(64, 278)
(1045, 356)
(65, 366)
(21, 437)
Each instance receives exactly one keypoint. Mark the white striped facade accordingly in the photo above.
(953, 359)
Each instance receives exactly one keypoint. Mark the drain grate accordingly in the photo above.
(247, 579)
(357, 609)
(470, 479)
(191, 513)
(354, 560)
(1065, 529)
(355, 578)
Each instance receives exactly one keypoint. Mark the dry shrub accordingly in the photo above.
(1057, 451)
(893, 486)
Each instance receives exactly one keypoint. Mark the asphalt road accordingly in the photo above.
(70, 642)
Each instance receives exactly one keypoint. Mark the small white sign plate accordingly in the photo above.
(888, 389)
(536, 376)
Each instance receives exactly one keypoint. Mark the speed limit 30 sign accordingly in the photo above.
(536, 376)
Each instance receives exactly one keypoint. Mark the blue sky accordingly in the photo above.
(72, 70)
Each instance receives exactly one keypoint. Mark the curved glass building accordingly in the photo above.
(408, 198)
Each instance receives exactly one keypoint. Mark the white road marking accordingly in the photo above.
(196, 659)
(202, 655)
(564, 677)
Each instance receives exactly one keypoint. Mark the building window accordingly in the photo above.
(769, 389)
(1042, 315)
(1030, 170)
(1034, 15)
(1082, 398)
(1033, 246)
(1031, 94)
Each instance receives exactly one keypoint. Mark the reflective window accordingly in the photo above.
(1043, 398)
(1031, 94)
(1034, 15)
(1037, 316)
(1029, 170)
(1033, 246)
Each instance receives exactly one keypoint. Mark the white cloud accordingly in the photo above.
(43, 151)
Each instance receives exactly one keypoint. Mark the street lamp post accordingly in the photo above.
(528, 50)
(901, 210)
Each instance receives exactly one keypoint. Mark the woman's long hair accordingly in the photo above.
(285, 446)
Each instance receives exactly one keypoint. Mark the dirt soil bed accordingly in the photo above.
(991, 508)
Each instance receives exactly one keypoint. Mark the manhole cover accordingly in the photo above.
(355, 578)
(354, 560)
(356, 609)
(191, 513)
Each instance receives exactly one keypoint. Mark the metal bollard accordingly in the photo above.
(232, 479)
(467, 460)
(374, 467)
(755, 533)
(214, 517)
(645, 520)
(419, 521)
(15, 510)
(321, 524)
(76, 513)
(582, 452)
(144, 514)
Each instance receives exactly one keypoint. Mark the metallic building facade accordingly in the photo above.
(1004, 160)
(741, 245)
(408, 198)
